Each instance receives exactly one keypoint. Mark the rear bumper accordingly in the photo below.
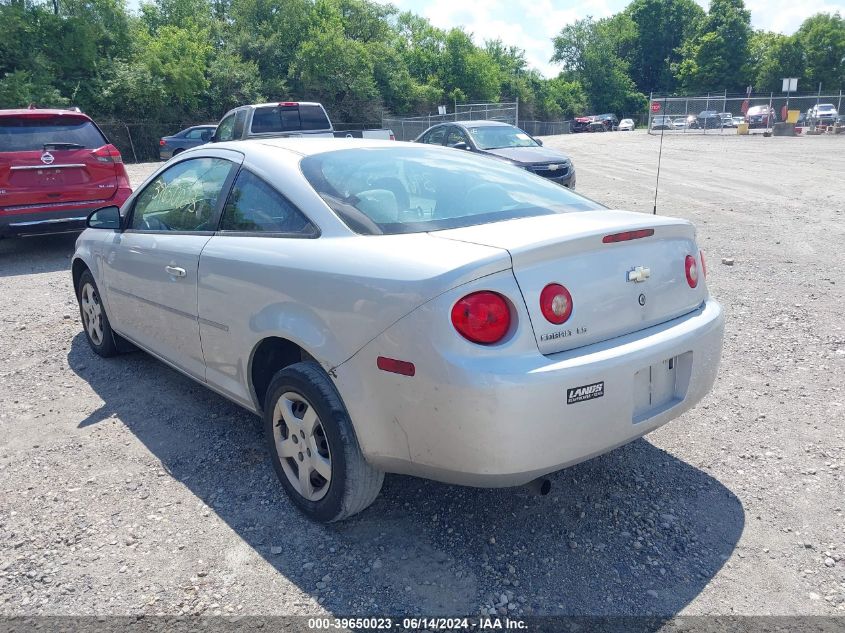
(505, 421)
(44, 220)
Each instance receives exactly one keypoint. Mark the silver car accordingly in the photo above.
(402, 308)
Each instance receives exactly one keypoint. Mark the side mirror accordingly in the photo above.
(460, 145)
(538, 141)
(104, 218)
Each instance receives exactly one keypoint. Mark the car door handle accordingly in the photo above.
(175, 271)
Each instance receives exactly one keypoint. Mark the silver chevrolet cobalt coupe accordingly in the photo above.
(389, 307)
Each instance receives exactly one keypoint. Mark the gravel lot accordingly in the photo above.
(128, 489)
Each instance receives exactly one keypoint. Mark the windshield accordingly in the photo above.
(27, 133)
(385, 191)
(500, 136)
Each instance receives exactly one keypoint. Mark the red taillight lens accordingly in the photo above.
(392, 137)
(162, 142)
(691, 269)
(703, 264)
(108, 154)
(482, 317)
(556, 303)
(627, 235)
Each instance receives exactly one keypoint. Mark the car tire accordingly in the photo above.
(309, 435)
(95, 321)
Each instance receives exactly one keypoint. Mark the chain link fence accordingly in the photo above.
(723, 113)
(138, 141)
(409, 128)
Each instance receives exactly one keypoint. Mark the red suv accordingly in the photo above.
(56, 166)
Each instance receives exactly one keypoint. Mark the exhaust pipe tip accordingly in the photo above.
(540, 486)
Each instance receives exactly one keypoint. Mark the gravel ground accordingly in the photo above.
(127, 489)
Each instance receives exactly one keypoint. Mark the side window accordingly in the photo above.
(240, 120)
(435, 137)
(194, 134)
(183, 198)
(456, 135)
(254, 206)
(225, 131)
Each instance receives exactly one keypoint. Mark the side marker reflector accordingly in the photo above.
(396, 366)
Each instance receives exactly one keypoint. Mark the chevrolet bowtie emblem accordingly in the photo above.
(639, 274)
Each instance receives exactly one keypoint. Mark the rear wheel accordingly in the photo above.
(95, 321)
(313, 446)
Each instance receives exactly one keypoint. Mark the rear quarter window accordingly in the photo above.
(24, 134)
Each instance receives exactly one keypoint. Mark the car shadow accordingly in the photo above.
(633, 532)
(37, 254)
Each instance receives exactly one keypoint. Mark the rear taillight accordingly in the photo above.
(108, 154)
(482, 317)
(162, 142)
(691, 269)
(703, 264)
(392, 136)
(556, 304)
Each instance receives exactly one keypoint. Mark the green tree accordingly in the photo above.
(269, 33)
(717, 57)
(822, 40)
(588, 51)
(773, 56)
(663, 26)
(335, 70)
(466, 71)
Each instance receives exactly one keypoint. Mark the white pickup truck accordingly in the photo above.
(287, 118)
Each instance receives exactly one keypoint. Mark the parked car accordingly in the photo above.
(685, 122)
(760, 116)
(709, 119)
(398, 307)
(581, 124)
(661, 122)
(285, 119)
(823, 114)
(737, 120)
(609, 121)
(504, 142)
(170, 146)
(727, 119)
(56, 166)
(626, 125)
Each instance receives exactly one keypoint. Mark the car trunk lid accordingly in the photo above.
(574, 250)
(53, 160)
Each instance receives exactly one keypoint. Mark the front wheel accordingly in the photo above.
(95, 322)
(313, 446)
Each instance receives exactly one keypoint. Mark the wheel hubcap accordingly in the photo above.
(92, 314)
(302, 446)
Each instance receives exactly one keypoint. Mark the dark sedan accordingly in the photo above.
(190, 137)
(505, 142)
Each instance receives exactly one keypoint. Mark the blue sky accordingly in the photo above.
(530, 24)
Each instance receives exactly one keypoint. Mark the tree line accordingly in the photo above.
(192, 60)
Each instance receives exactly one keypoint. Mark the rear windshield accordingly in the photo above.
(384, 191)
(289, 118)
(22, 134)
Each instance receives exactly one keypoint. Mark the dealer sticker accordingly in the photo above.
(586, 392)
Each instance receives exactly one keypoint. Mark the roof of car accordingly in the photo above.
(43, 112)
(478, 123)
(309, 146)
